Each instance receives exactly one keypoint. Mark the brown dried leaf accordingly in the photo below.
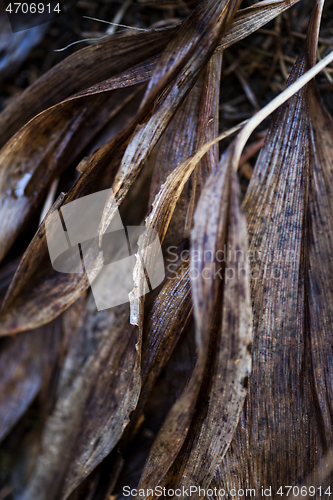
(207, 131)
(218, 221)
(168, 315)
(24, 371)
(219, 224)
(158, 222)
(167, 318)
(176, 145)
(286, 423)
(38, 293)
(93, 406)
(44, 148)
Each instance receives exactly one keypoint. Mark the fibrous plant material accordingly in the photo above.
(221, 377)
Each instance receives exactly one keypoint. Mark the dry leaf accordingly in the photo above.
(281, 436)
(88, 419)
(43, 149)
(22, 372)
(218, 221)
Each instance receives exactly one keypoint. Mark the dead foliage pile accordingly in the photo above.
(214, 379)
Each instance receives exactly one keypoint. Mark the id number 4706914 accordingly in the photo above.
(32, 8)
(303, 491)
